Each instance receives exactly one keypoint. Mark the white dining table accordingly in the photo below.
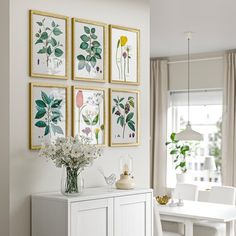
(194, 211)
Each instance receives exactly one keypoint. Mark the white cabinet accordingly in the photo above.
(94, 213)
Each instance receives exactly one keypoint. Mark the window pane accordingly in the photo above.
(205, 118)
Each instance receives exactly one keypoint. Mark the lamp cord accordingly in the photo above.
(188, 79)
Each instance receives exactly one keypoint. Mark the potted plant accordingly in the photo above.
(179, 151)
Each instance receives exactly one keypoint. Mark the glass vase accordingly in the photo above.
(72, 183)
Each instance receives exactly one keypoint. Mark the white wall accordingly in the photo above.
(4, 118)
(205, 74)
(29, 173)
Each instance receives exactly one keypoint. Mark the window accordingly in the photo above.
(206, 118)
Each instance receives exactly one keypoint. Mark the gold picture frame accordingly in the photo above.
(83, 77)
(131, 69)
(84, 101)
(55, 47)
(34, 107)
(134, 128)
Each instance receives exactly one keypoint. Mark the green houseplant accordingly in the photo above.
(179, 151)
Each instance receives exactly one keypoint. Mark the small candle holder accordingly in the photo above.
(126, 180)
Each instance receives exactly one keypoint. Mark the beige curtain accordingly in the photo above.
(229, 121)
(158, 92)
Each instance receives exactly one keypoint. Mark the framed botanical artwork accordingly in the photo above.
(89, 113)
(124, 117)
(48, 45)
(48, 113)
(124, 55)
(89, 50)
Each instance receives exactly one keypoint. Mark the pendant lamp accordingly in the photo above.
(188, 133)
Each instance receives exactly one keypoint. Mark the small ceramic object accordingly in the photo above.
(125, 182)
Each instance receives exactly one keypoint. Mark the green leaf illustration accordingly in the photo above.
(53, 23)
(122, 106)
(93, 61)
(42, 51)
(40, 114)
(57, 129)
(40, 124)
(118, 43)
(86, 120)
(93, 30)
(84, 45)
(93, 36)
(39, 23)
(87, 30)
(44, 36)
(40, 103)
(53, 42)
(81, 58)
(131, 126)
(129, 117)
(81, 65)
(57, 31)
(58, 52)
(39, 41)
(47, 130)
(96, 44)
(88, 67)
(49, 50)
(113, 109)
(95, 120)
(88, 58)
(56, 103)
(98, 56)
(84, 38)
(45, 98)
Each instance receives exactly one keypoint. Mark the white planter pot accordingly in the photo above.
(182, 178)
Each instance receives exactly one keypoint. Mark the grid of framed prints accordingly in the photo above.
(49, 103)
(48, 45)
(89, 113)
(48, 113)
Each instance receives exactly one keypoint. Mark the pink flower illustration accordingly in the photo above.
(79, 99)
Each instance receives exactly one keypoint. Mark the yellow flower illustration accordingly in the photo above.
(123, 40)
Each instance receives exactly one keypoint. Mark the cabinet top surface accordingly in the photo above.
(91, 194)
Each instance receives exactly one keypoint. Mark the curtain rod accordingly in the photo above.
(196, 90)
(196, 60)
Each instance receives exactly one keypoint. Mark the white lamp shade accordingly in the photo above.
(189, 134)
(209, 164)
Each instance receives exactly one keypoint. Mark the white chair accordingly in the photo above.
(221, 195)
(185, 192)
(157, 228)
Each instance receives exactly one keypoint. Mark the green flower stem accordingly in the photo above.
(71, 180)
(117, 64)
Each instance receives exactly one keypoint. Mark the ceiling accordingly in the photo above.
(213, 23)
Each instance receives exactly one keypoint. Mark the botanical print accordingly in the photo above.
(48, 49)
(124, 55)
(89, 114)
(89, 51)
(48, 114)
(124, 117)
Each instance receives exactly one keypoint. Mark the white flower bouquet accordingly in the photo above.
(74, 154)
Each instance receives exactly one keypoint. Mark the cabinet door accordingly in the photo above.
(93, 217)
(133, 215)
